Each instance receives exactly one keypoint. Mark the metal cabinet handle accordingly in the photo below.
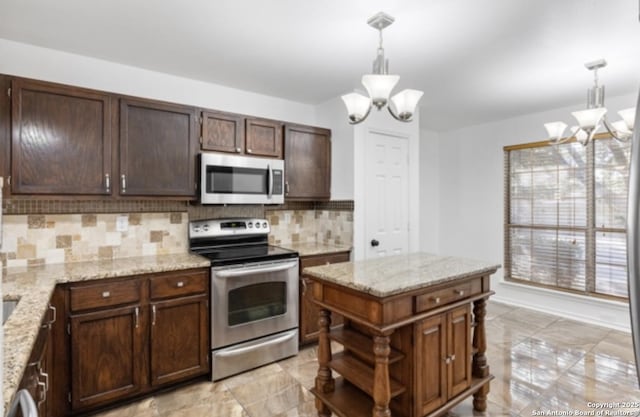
(459, 292)
(304, 286)
(286, 187)
(249, 151)
(53, 319)
(449, 359)
(180, 284)
(106, 294)
(123, 180)
(43, 393)
(107, 182)
(238, 150)
(153, 315)
(46, 379)
(137, 314)
(435, 300)
(453, 358)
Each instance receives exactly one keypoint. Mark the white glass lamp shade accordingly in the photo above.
(555, 130)
(629, 117)
(358, 107)
(404, 104)
(621, 129)
(589, 119)
(379, 87)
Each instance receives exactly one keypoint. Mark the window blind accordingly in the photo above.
(565, 208)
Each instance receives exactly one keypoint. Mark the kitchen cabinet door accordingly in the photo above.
(222, 132)
(60, 140)
(307, 163)
(158, 146)
(443, 358)
(263, 138)
(308, 326)
(179, 339)
(108, 356)
(5, 132)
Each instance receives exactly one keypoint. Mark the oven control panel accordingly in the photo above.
(228, 227)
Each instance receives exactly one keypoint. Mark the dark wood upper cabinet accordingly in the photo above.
(307, 163)
(61, 139)
(263, 138)
(158, 144)
(222, 132)
(5, 131)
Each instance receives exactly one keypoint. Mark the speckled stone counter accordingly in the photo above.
(396, 274)
(312, 248)
(33, 286)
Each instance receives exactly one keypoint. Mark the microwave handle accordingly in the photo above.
(270, 184)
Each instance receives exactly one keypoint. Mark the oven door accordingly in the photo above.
(232, 179)
(253, 300)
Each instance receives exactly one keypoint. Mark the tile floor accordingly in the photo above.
(542, 363)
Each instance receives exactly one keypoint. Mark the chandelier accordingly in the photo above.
(594, 116)
(379, 85)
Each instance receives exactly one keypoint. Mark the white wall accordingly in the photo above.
(429, 191)
(56, 66)
(333, 115)
(471, 207)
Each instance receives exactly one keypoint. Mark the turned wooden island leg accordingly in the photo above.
(480, 368)
(381, 385)
(324, 379)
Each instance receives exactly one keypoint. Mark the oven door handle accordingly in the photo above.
(241, 272)
(270, 185)
(239, 351)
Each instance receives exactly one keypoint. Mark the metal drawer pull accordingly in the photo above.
(106, 294)
(137, 314)
(249, 151)
(459, 292)
(304, 286)
(107, 182)
(153, 315)
(123, 179)
(180, 284)
(238, 150)
(450, 359)
(435, 300)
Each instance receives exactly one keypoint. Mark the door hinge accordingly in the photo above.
(9, 92)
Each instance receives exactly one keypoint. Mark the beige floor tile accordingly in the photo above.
(548, 364)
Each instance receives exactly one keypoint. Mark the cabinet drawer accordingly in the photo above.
(178, 284)
(308, 261)
(447, 295)
(104, 295)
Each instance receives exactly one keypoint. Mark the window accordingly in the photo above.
(565, 215)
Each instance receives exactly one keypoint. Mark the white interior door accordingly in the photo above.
(386, 194)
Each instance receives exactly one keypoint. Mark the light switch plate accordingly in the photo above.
(122, 223)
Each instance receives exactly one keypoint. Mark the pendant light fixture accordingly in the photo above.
(594, 116)
(379, 85)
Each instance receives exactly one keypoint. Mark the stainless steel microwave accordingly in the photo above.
(234, 179)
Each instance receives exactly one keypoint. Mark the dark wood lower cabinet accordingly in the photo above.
(179, 342)
(122, 338)
(107, 356)
(308, 326)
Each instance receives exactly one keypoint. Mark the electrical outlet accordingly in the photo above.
(122, 223)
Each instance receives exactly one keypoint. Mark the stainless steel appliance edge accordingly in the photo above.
(633, 238)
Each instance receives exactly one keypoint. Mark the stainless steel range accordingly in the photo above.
(254, 294)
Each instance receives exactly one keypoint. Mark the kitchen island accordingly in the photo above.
(414, 335)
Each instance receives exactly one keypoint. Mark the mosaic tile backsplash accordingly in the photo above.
(311, 226)
(55, 238)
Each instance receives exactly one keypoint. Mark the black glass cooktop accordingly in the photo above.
(237, 254)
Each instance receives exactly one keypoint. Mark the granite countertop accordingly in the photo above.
(313, 248)
(391, 275)
(33, 286)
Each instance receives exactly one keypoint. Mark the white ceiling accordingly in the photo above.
(477, 61)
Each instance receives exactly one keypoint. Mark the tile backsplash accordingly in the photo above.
(54, 238)
(311, 226)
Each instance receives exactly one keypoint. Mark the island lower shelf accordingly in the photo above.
(412, 354)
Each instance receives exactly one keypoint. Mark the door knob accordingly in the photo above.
(374, 243)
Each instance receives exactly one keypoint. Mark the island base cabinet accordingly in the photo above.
(443, 358)
(106, 352)
(179, 342)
